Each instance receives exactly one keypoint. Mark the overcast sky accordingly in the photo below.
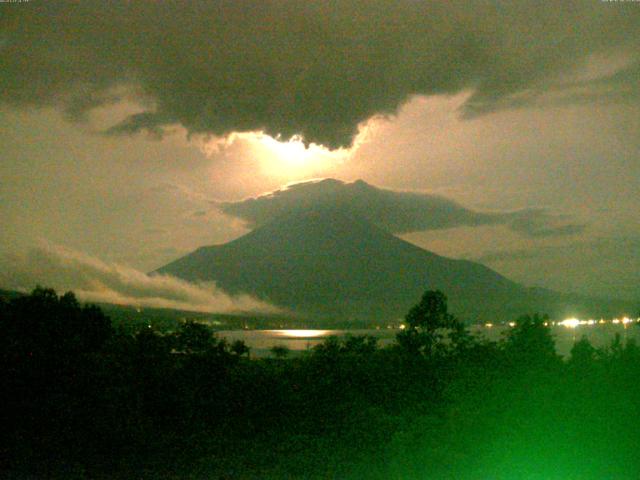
(131, 132)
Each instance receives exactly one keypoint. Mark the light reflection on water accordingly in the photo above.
(297, 339)
(301, 333)
(304, 339)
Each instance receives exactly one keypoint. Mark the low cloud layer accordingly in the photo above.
(395, 211)
(316, 69)
(96, 281)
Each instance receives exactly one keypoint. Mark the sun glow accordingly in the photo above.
(293, 159)
(294, 153)
(280, 159)
(283, 160)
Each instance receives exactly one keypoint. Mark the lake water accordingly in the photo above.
(261, 341)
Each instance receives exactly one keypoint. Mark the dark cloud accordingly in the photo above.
(150, 122)
(297, 67)
(395, 211)
(620, 87)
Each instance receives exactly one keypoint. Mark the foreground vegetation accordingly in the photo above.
(81, 399)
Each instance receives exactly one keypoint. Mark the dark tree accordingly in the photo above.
(428, 323)
(330, 347)
(193, 337)
(530, 341)
(360, 344)
(240, 348)
(44, 324)
(280, 351)
(430, 313)
(583, 354)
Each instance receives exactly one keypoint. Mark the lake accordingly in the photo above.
(299, 340)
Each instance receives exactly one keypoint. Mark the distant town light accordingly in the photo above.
(570, 322)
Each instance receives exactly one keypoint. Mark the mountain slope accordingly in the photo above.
(325, 262)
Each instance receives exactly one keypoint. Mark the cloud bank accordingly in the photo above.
(395, 211)
(97, 281)
(316, 69)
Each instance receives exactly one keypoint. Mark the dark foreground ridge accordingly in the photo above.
(327, 262)
(82, 400)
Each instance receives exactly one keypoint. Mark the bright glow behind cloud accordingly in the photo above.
(284, 160)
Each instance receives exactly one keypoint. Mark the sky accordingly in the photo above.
(134, 132)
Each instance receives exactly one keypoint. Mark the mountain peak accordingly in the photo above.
(330, 261)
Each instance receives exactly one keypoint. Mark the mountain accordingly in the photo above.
(326, 262)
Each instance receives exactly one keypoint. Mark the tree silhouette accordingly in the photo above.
(428, 323)
(530, 341)
(583, 353)
(45, 324)
(280, 351)
(240, 348)
(330, 347)
(359, 344)
(193, 337)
